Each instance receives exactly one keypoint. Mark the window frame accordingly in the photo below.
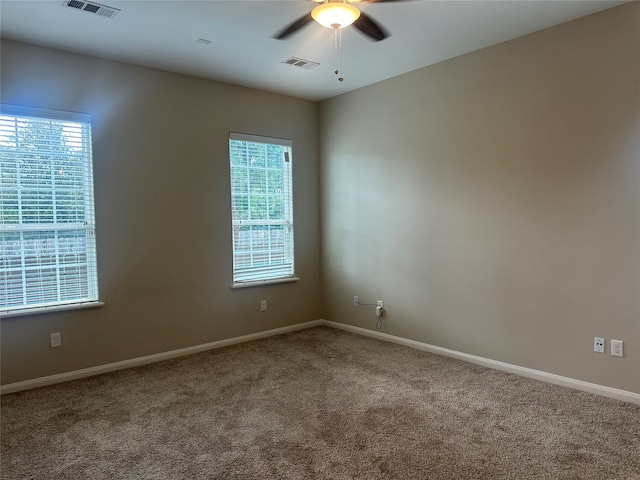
(246, 278)
(87, 225)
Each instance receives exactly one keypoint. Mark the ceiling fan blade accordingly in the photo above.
(369, 27)
(294, 27)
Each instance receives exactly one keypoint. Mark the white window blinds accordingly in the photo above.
(261, 208)
(47, 225)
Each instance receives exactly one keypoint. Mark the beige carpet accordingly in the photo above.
(316, 404)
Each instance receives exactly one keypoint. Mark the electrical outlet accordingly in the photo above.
(355, 301)
(55, 340)
(263, 305)
(598, 344)
(616, 348)
(380, 303)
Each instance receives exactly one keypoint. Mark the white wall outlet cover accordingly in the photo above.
(616, 348)
(598, 344)
(55, 339)
(263, 305)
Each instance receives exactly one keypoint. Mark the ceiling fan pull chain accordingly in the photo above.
(340, 56)
(335, 45)
(338, 44)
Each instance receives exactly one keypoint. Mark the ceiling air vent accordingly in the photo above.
(299, 62)
(92, 7)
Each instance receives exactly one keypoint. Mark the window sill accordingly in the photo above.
(259, 283)
(54, 308)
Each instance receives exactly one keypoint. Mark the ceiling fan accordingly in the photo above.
(338, 14)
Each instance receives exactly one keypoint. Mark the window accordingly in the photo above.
(261, 209)
(47, 226)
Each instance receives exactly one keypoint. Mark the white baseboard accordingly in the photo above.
(158, 357)
(618, 394)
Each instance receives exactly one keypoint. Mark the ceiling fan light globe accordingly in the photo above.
(335, 14)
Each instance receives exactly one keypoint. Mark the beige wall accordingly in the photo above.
(492, 201)
(163, 211)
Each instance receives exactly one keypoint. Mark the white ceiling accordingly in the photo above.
(163, 34)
